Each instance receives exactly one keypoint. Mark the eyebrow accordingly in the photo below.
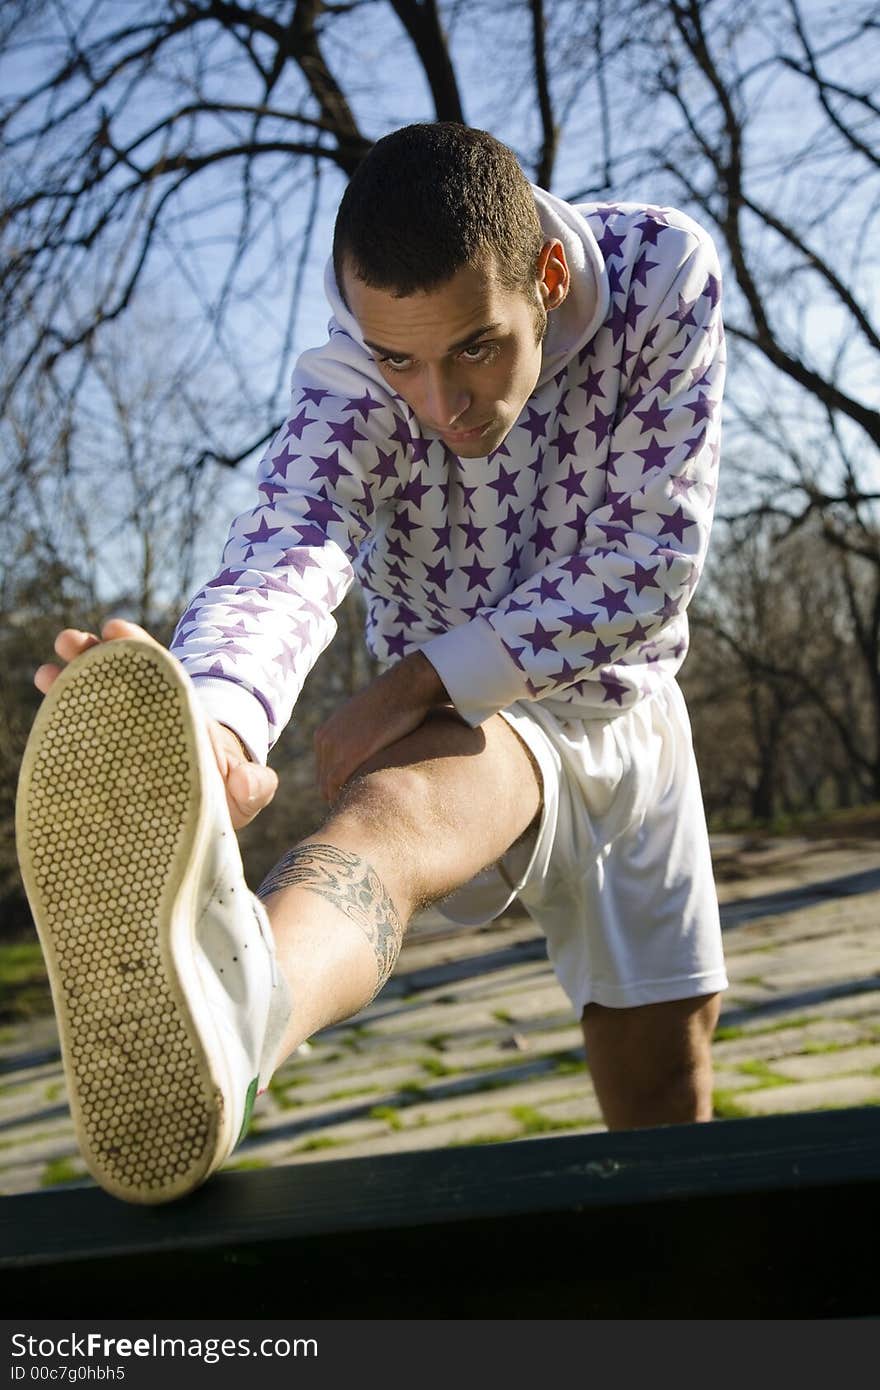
(454, 347)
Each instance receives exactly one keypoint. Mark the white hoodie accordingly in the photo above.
(556, 569)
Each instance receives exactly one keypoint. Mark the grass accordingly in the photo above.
(60, 1170)
(569, 1066)
(38, 1138)
(477, 1140)
(279, 1087)
(725, 1034)
(320, 1141)
(245, 1165)
(356, 1036)
(21, 962)
(725, 1106)
(536, 1122)
(803, 1022)
(285, 1080)
(353, 1091)
(24, 985)
(434, 1067)
(389, 1113)
(766, 1075)
(859, 821)
(412, 1088)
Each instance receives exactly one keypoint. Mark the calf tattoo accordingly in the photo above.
(349, 883)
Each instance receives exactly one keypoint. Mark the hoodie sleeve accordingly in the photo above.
(610, 618)
(251, 635)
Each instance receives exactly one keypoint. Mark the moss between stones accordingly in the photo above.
(726, 1107)
(389, 1114)
(60, 1170)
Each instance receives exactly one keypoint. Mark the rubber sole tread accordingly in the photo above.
(106, 820)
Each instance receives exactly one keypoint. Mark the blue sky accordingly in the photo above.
(238, 377)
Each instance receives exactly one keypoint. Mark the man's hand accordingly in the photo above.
(386, 711)
(249, 786)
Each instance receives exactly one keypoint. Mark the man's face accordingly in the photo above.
(465, 356)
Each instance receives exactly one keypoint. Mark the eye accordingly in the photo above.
(395, 363)
(478, 352)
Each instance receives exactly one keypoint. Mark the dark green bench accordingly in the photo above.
(741, 1218)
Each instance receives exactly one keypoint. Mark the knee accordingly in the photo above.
(390, 812)
(677, 1090)
(390, 797)
(684, 1090)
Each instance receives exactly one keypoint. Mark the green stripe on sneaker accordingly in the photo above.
(248, 1109)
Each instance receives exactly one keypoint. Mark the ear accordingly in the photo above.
(553, 275)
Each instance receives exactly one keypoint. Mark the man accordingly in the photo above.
(511, 439)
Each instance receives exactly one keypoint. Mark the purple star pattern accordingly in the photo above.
(564, 442)
(296, 424)
(541, 638)
(536, 424)
(477, 574)
(386, 467)
(472, 533)
(573, 483)
(592, 384)
(504, 484)
(613, 601)
(329, 468)
(549, 588)
(263, 533)
(542, 538)
(614, 689)
(601, 654)
(363, 405)
(344, 432)
(564, 573)
(511, 523)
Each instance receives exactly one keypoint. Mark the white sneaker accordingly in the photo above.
(169, 1002)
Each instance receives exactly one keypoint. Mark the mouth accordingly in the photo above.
(464, 436)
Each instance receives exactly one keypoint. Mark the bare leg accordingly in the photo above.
(417, 822)
(652, 1065)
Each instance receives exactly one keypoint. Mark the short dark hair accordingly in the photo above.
(431, 198)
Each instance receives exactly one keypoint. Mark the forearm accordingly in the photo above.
(388, 709)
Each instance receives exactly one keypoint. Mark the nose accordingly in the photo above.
(445, 400)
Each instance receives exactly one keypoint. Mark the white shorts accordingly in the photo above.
(617, 872)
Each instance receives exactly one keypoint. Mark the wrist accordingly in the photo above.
(422, 680)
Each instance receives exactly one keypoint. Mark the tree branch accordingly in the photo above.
(421, 21)
(549, 128)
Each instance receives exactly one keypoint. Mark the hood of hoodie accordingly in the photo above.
(571, 326)
(585, 307)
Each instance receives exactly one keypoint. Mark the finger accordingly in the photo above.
(249, 790)
(221, 751)
(45, 677)
(70, 642)
(115, 628)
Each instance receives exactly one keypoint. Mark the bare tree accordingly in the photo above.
(201, 145)
(130, 131)
(759, 117)
(779, 694)
(762, 120)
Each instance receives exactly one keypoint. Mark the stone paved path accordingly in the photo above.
(472, 1041)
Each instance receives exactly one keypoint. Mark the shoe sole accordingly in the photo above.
(109, 832)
